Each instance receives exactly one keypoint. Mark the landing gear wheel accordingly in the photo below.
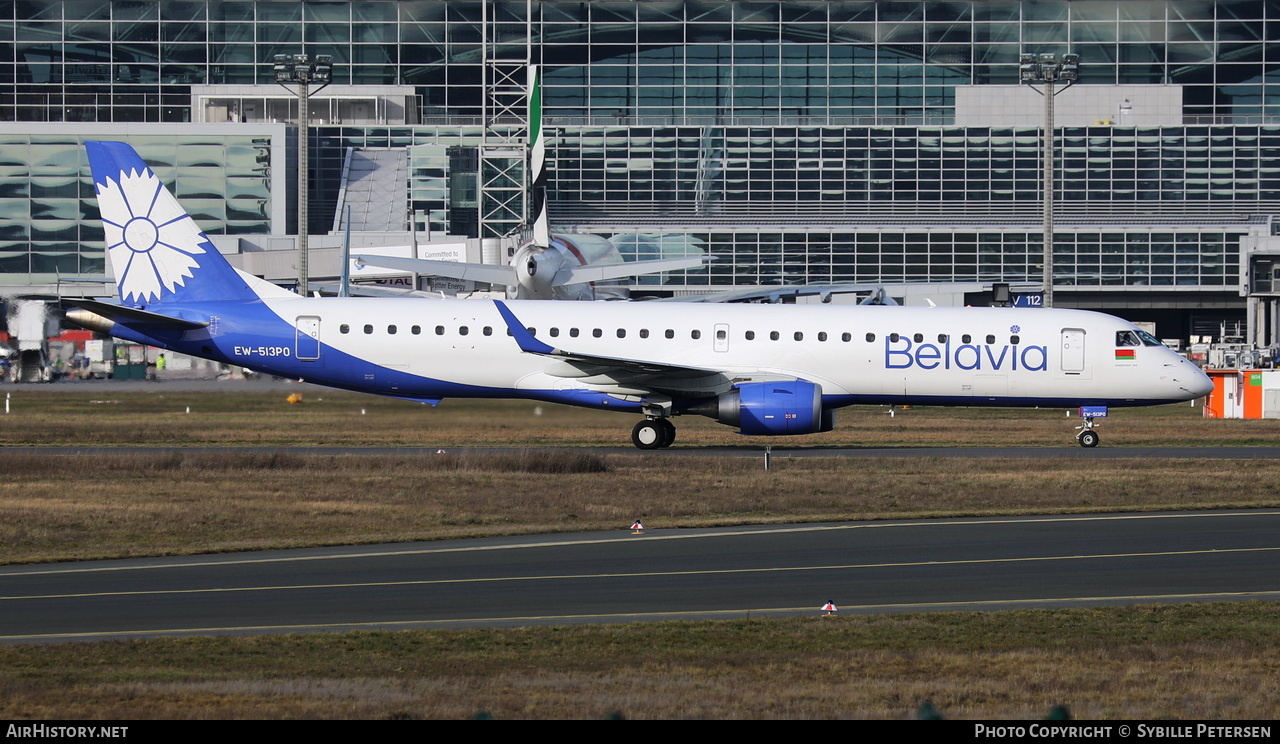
(647, 435)
(653, 434)
(1088, 439)
(668, 432)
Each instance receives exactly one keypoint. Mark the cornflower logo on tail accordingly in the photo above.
(151, 240)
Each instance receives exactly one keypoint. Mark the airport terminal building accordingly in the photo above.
(800, 141)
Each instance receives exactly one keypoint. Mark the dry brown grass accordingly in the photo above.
(82, 506)
(1212, 661)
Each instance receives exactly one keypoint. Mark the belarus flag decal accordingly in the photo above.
(1126, 355)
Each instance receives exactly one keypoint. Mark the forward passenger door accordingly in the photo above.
(1073, 350)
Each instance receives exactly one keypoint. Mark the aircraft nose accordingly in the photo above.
(1195, 381)
(1203, 385)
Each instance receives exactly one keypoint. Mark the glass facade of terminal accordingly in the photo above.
(798, 141)
(49, 221)
(1111, 259)
(674, 60)
(831, 170)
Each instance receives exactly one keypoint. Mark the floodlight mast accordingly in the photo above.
(1048, 70)
(299, 69)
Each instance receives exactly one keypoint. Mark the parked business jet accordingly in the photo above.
(765, 369)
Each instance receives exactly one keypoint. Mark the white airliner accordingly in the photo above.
(546, 267)
(765, 369)
(565, 268)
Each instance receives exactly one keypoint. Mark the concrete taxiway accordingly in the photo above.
(863, 567)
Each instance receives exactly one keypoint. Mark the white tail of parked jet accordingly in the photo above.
(765, 369)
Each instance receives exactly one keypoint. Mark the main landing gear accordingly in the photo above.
(653, 433)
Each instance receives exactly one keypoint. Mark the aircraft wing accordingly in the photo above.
(602, 272)
(874, 294)
(784, 293)
(491, 273)
(373, 290)
(636, 367)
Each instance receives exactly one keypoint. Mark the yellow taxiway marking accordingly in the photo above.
(849, 609)
(639, 574)
(623, 536)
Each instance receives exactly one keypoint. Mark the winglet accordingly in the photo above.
(524, 339)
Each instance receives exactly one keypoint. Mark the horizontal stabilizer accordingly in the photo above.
(135, 317)
(491, 273)
(604, 272)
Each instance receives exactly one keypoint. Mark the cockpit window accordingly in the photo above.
(1136, 338)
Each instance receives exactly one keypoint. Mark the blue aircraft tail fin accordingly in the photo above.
(157, 252)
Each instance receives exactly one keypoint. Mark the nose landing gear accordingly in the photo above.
(1085, 434)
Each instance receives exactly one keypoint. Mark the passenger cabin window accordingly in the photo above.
(1014, 340)
(463, 330)
(966, 338)
(870, 337)
(894, 338)
(695, 335)
(990, 339)
(799, 336)
(368, 329)
(773, 335)
(822, 335)
(439, 330)
(846, 337)
(919, 337)
(573, 333)
(751, 335)
(942, 338)
(670, 333)
(391, 330)
(622, 333)
(597, 332)
(644, 333)
(488, 330)
(721, 335)
(344, 328)
(416, 330)
(555, 332)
